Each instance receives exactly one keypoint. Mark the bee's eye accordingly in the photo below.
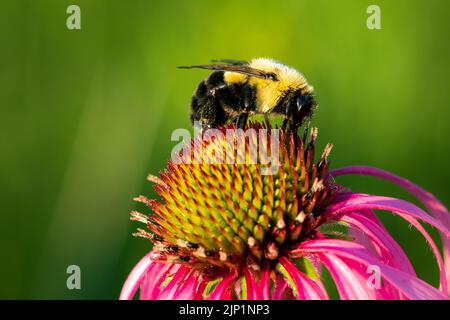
(271, 76)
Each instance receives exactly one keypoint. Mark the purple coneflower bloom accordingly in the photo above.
(226, 231)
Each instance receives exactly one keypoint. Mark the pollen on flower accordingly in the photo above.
(230, 215)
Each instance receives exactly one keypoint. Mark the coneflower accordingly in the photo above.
(225, 230)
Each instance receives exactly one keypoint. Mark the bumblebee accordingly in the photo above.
(237, 89)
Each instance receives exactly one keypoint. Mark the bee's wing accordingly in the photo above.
(236, 68)
(231, 61)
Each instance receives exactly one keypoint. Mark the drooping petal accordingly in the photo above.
(406, 210)
(251, 286)
(134, 279)
(411, 286)
(351, 202)
(153, 281)
(279, 290)
(362, 238)
(436, 208)
(383, 290)
(437, 254)
(178, 279)
(390, 250)
(307, 288)
(264, 284)
(379, 242)
(350, 284)
(223, 290)
(200, 289)
(188, 290)
(257, 290)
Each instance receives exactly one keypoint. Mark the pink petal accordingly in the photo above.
(379, 243)
(280, 286)
(188, 290)
(307, 289)
(351, 202)
(200, 290)
(390, 249)
(412, 287)
(436, 208)
(386, 291)
(251, 285)
(255, 290)
(361, 237)
(168, 292)
(223, 289)
(153, 280)
(406, 210)
(264, 284)
(134, 279)
(437, 254)
(351, 284)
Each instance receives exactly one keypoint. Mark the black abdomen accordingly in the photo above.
(215, 102)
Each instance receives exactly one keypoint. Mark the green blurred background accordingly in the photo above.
(87, 114)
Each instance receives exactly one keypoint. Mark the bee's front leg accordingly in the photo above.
(247, 106)
(291, 119)
(289, 116)
(242, 120)
(267, 121)
(284, 124)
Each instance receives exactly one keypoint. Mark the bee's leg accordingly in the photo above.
(289, 116)
(284, 124)
(306, 130)
(246, 108)
(294, 129)
(242, 120)
(292, 119)
(267, 121)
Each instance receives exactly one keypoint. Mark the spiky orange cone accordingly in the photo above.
(225, 230)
